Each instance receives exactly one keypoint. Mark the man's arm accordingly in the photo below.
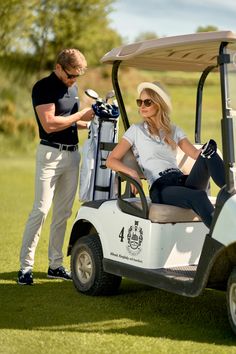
(52, 123)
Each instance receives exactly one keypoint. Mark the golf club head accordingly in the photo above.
(91, 93)
(109, 95)
(99, 101)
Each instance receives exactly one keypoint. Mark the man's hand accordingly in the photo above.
(87, 114)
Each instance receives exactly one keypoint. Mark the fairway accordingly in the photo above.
(52, 317)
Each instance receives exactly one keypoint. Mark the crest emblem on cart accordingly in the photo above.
(135, 239)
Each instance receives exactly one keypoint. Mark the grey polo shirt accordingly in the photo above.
(154, 155)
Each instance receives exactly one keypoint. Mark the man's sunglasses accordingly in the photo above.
(71, 76)
(147, 103)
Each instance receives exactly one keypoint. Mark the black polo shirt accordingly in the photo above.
(52, 90)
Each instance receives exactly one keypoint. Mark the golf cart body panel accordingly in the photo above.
(225, 226)
(141, 243)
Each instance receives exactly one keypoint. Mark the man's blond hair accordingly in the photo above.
(71, 59)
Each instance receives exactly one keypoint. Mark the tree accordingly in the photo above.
(84, 24)
(209, 28)
(47, 26)
(13, 28)
(145, 36)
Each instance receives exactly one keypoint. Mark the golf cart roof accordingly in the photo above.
(191, 52)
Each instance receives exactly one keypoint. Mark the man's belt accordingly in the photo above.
(59, 146)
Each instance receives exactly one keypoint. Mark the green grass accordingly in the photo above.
(52, 317)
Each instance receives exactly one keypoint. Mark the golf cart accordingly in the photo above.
(164, 246)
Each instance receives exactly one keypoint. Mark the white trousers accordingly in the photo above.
(56, 181)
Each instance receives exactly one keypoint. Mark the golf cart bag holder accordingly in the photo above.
(96, 180)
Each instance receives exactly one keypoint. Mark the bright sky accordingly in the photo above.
(171, 17)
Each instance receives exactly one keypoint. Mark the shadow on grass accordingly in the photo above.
(139, 310)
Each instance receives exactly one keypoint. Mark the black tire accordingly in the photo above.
(87, 269)
(231, 300)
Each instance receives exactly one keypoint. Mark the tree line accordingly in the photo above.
(33, 31)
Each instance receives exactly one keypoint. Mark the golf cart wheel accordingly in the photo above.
(231, 299)
(87, 268)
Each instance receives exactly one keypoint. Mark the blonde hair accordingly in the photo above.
(163, 117)
(71, 59)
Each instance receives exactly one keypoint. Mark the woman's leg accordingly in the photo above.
(188, 198)
(205, 168)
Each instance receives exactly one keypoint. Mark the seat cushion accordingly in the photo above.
(170, 213)
(163, 213)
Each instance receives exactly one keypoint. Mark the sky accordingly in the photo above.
(171, 17)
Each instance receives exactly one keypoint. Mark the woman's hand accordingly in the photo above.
(209, 149)
(135, 176)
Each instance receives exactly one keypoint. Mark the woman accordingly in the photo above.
(154, 143)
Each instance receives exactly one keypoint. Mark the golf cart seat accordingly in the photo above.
(142, 206)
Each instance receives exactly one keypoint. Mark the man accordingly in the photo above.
(56, 105)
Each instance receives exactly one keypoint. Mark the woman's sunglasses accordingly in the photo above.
(147, 103)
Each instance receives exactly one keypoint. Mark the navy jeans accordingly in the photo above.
(189, 191)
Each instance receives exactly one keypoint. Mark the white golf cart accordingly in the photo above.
(164, 246)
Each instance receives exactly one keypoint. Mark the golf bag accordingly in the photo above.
(96, 180)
